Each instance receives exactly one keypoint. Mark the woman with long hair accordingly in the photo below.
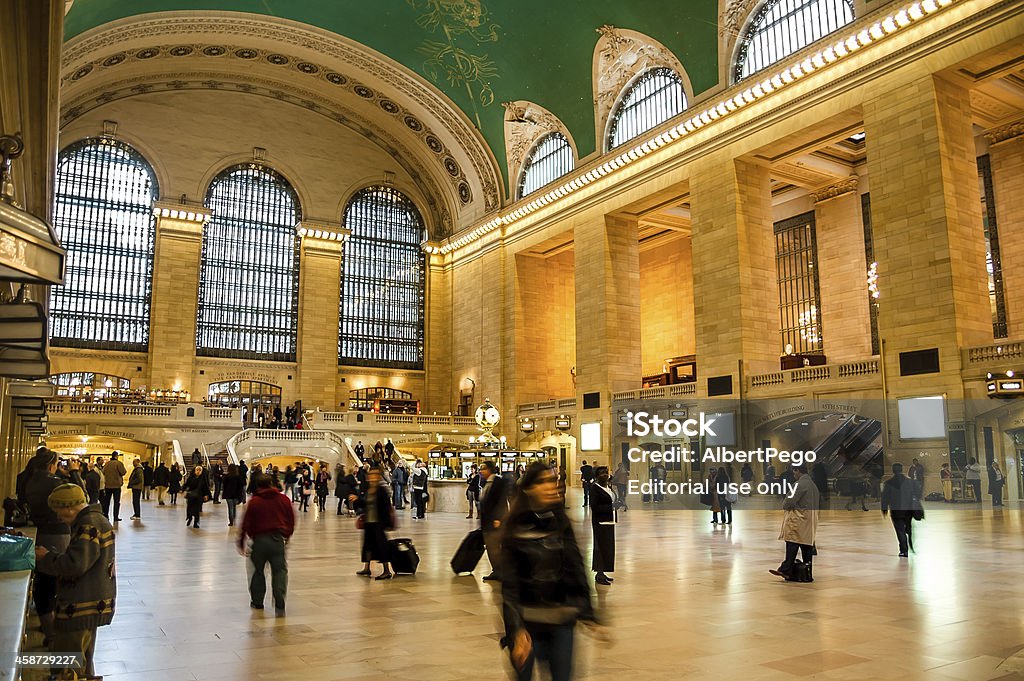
(377, 517)
(305, 485)
(544, 585)
(322, 486)
(174, 483)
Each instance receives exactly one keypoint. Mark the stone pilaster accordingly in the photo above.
(926, 217)
(545, 327)
(439, 395)
(1006, 155)
(842, 272)
(736, 301)
(319, 293)
(172, 326)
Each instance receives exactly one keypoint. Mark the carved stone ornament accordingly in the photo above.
(303, 54)
(525, 124)
(835, 190)
(733, 17)
(620, 56)
(1005, 132)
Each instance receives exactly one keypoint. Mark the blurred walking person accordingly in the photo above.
(174, 483)
(269, 521)
(493, 511)
(377, 517)
(544, 586)
(233, 492)
(197, 490)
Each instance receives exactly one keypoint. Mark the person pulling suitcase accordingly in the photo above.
(493, 510)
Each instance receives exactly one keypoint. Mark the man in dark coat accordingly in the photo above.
(602, 519)
(586, 479)
(86, 586)
(147, 479)
(899, 496)
(493, 510)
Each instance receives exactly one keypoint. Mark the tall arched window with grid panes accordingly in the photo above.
(653, 98)
(550, 159)
(779, 28)
(249, 277)
(382, 282)
(103, 213)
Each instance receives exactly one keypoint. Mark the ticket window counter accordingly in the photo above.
(512, 460)
(443, 465)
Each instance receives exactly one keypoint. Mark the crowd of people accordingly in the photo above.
(524, 529)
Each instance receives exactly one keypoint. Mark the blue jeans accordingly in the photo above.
(398, 495)
(232, 509)
(552, 645)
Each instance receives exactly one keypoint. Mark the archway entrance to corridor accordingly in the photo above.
(254, 398)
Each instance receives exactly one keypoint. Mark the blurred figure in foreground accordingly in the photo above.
(544, 585)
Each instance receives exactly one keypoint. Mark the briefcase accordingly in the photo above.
(469, 553)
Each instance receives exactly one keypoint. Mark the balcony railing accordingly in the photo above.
(1012, 351)
(657, 392)
(364, 420)
(827, 372)
(186, 413)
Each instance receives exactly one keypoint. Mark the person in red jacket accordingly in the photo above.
(269, 521)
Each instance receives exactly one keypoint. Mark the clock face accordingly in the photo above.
(487, 416)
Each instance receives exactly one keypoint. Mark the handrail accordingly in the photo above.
(179, 458)
(996, 351)
(330, 438)
(824, 372)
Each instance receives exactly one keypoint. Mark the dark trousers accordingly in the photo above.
(399, 495)
(726, 511)
(552, 645)
(586, 493)
(232, 510)
(419, 497)
(996, 490)
(492, 543)
(269, 548)
(111, 494)
(976, 484)
(193, 507)
(137, 502)
(904, 532)
(217, 485)
(94, 496)
(806, 552)
(83, 642)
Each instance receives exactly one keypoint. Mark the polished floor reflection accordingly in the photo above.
(691, 600)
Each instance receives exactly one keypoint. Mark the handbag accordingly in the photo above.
(17, 553)
(360, 521)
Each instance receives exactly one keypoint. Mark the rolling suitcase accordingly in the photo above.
(469, 553)
(801, 572)
(403, 556)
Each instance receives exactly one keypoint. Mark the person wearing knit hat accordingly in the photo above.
(86, 586)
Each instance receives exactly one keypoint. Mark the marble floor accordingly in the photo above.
(691, 600)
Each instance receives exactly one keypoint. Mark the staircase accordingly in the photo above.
(254, 444)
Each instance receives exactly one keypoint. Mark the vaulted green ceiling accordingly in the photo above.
(481, 53)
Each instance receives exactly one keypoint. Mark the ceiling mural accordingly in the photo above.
(477, 53)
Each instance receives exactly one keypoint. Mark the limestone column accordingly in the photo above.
(175, 299)
(842, 272)
(736, 300)
(439, 394)
(607, 320)
(319, 294)
(1006, 155)
(928, 240)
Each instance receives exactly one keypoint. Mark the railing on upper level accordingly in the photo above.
(164, 412)
(365, 420)
(561, 404)
(826, 372)
(657, 392)
(1012, 351)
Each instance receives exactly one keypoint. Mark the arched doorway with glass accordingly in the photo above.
(256, 399)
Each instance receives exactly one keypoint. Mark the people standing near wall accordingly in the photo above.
(946, 476)
(603, 519)
(545, 591)
(233, 491)
(269, 521)
(84, 574)
(494, 499)
(586, 479)
(916, 473)
(996, 480)
(972, 474)
(197, 491)
(113, 480)
(420, 494)
(137, 484)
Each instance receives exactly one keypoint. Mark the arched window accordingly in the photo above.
(381, 316)
(780, 28)
(103, 214)
(654, 98)
(249, 278)
(550, 159)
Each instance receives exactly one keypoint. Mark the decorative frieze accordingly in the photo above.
(1005, 133)
(835, 190)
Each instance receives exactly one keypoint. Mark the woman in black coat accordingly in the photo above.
(344, 486)
(545, 591)
(378, 517)
(233, 491)
(174, 483)
(197, 490)
(603, 519)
